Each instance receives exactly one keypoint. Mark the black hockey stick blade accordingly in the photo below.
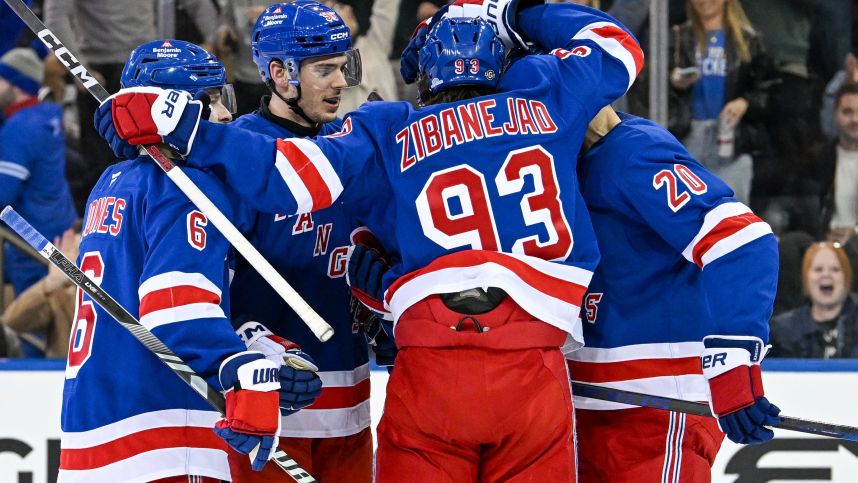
(849, 433)
(45, 248)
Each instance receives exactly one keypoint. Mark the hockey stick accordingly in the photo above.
(319, 327)
(47, 250)
(603, 393)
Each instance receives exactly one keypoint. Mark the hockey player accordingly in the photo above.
(476, 195)
(689, 321)
(306, 77)
(126, 416)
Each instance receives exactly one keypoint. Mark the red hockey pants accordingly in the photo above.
(645, 445)
(464, 406)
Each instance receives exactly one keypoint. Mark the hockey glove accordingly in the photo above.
(731, 366)
(149, 115)
(378, 332)
(500, 14)
(252, 420)
(409, 62)
(103, 122)
(299, 383)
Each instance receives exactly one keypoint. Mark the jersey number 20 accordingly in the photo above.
(475, 226)
(80, 343)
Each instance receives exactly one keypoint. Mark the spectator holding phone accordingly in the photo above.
(717, 71)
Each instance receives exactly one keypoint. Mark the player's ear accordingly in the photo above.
(278, 74)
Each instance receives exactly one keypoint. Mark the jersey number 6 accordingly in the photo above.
(475, 226)
(80, 343)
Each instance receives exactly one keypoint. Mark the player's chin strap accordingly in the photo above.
(293, 103)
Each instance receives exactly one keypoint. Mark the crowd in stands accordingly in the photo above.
(764, 93)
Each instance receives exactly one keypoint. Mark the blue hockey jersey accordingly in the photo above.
(681, 259)
(33, 180)
(311, 252)
(475, 193)
(126, 416)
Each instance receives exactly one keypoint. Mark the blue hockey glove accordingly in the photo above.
(103, 121)
(299, 383)
(378, 332)
(731, 366)
(366, 269)
(251, 424)
(149, 115)
(409, 61)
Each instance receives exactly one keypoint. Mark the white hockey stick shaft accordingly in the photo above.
(314, 321)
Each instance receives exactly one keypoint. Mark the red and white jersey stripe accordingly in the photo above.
(551, 292)
(341, 410)
(617, 43)
(725, 228)
(661, 369)
(145, 447)
(176, 297)
(308, 173)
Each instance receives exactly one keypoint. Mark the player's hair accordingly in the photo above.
(848, 88)
(735, 22)
(450, 94)
(842, 259)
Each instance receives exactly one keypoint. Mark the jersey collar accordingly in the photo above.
(292, 126)
(30, 101)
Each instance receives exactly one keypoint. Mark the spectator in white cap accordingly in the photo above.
(32, 160)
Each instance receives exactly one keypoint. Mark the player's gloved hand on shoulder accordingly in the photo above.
(299, 383)
(103, 121)
(500, 14)
(149, 115)
(731, 366)
(409, 61)
(252, 420)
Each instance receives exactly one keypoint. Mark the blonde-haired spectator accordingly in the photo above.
(718, 69)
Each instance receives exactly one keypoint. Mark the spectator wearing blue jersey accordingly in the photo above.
(718, 69)
(32, 160)
(826, 325)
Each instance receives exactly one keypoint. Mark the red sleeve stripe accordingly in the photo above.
(551, 292)
(308, 174)
(342, 397)
(726, 228)
(636, 369)
(617, 43)
(176, 297)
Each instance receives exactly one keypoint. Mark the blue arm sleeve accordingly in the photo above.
(287, 176)
(736, 250)
(183, 289)
(575, 29)
(14, 162)
(9, 187)
(741, 288)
